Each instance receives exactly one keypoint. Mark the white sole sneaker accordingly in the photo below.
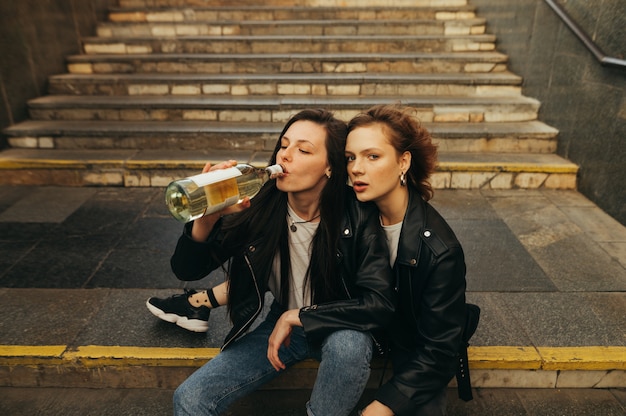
(193, 325)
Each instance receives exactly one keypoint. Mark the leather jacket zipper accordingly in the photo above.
(256, 313)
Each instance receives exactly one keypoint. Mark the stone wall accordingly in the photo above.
(35, 38)
(581, 98)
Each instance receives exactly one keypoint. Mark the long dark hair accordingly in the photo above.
(405, 134)
(266, 219)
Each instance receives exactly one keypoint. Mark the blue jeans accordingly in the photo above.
(243, 367)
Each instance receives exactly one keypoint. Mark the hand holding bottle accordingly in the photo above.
(224, 188)
(231, 209)
(202, 226)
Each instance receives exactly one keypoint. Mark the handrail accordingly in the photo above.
(584, 38)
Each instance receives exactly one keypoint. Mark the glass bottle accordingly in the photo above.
(193, 197)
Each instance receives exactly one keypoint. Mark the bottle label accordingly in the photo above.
(220, 188)
(213, 176)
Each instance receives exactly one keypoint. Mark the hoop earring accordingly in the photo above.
(403, 179)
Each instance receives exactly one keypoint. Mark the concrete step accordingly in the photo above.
(112, 366)
(267, 12)
(331, 84)
(289, 27)
(297, 3)
(190, 80)
(452, 109)
(290, 44)
(515, 137)
(553, 311)
(443, 62)
(132, 167)
(60, 401)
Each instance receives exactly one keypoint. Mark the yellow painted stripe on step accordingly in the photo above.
(31, 354)
(583, 358)
(97, 355)
(186, 163)
(506, 167)
(168, 164)
(56, 164)
(127, 16)
(601, 358)
(519, 358)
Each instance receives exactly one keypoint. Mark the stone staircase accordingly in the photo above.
(167, 85)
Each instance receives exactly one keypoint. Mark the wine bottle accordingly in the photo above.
(193, 197)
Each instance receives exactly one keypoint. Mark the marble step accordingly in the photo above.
(513, 137)
(451, 109)
(314, 63)
(156, 168)
(332, 84)
(289, 27)
(227, 12)
(294, 43)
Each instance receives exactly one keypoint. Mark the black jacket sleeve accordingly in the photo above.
(193, 260)
(367, 279)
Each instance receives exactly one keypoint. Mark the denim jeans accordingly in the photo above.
(243, 367)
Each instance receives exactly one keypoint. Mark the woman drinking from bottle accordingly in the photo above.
(320, 253)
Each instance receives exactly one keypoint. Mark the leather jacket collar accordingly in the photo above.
(408, 251)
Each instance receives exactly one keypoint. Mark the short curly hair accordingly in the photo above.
(405, 134)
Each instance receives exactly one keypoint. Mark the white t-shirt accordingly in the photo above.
(300, 246)
(393, 240)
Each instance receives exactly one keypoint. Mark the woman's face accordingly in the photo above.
(304, 157)
(374, 166)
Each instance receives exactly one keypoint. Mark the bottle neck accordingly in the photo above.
(274, 171)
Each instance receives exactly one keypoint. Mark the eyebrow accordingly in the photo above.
(369, 149)
(299, 141)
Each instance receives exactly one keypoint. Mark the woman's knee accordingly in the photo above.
(191, 399)
(349, 345)
(183, 403)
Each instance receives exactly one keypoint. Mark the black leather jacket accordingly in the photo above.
(368, 299)
(428, 324)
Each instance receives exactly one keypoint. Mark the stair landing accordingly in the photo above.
(547, 268)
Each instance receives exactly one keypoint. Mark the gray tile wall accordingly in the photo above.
(581, 98)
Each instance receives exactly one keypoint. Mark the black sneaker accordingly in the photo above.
(176, 309)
